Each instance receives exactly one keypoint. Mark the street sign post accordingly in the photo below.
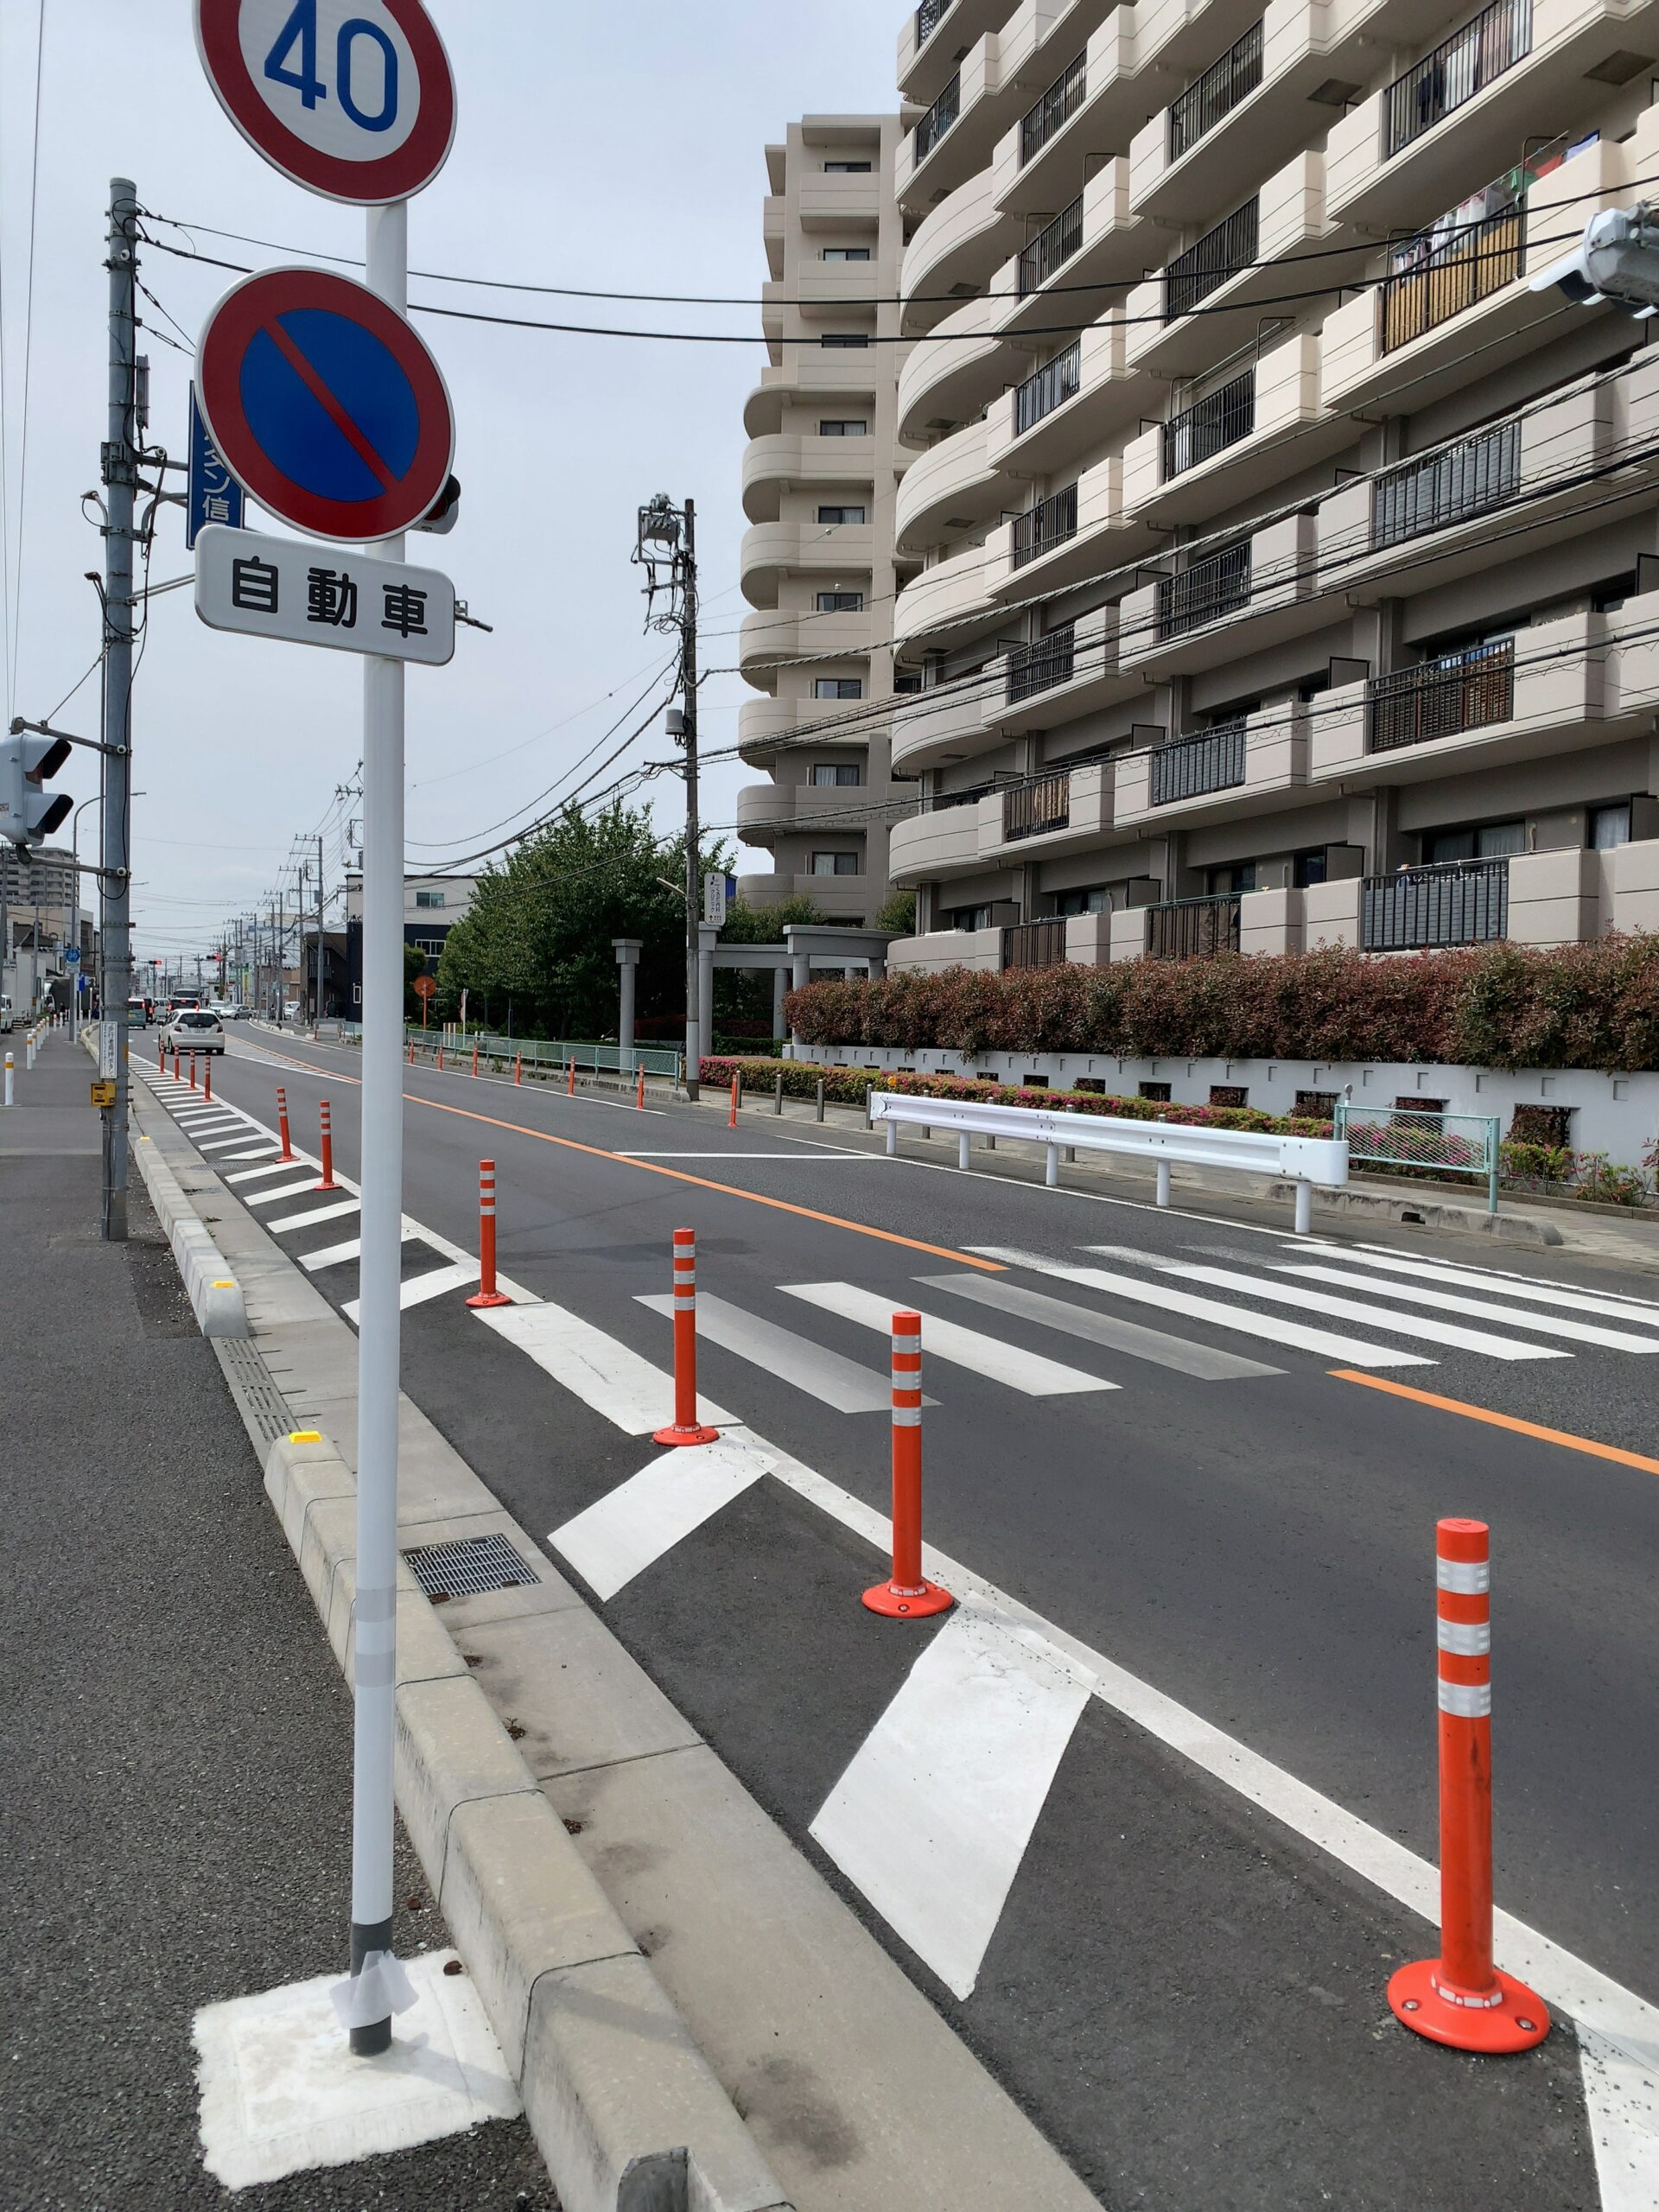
(317, 595)
(214, 495)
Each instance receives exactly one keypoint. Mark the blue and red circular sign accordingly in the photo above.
(325, 403)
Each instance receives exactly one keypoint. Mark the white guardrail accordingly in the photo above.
(1305, 1162)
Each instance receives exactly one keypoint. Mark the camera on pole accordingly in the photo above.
(1616, 260)
(27, 815)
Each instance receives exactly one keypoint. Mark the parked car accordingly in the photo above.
(241, 1014)
(194, 1030)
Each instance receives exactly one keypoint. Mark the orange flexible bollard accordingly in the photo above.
(440, 1059)
(1461, 1998)
(686, 1428)
(907, 1595)
(486, 1292)
(570, 1086)
(639, 1087)
(192, 1071)
(518, 1067)
(474, 1056)
(282, 1121)
(731, 1119)
(328, 1182)
(207, 1078)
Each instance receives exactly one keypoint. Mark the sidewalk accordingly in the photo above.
(179, 1776)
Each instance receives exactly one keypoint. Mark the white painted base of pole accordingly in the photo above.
(1051, 1164)
(892, 1139)
(8, 1079)
(1304, 1208)
(962, 1151)
(1163, 1182)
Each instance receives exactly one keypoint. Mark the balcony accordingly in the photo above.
(1191, 766)
(1055, 109)
(1041, 528)
(1073, 669)
(802, 461)
(1231, 444)
(1215, 94)
(1443, 698)
(774, 550)
(929, 16)
(948, 376)
(1460, 902)
(1220, 254)
(1035, 945)
(1040, 666)
(1248, 595)
(1444, 489)
(767, 812)
(1441, 272)
(1067, 811)
(1097, 242)
(945, 723)
(1052, 248)
(1251, 764)
(958, 244)
(950, 592)
(1193, 929)
(765, 726)
(941, 841)
(1204, 592)
(788, 633)
(1461, 65)
(938, 119)
(1036, 809)
(1209, 426)
(1065, 409)
(1048, 388)
(950, 488)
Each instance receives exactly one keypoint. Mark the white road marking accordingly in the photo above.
(1446, 1302)
(822, 1374)
(1351, 1349)
(932, 1817)
(285, 1191)
(420, 1290)
(1356, 1309)
(223, 1144)
(1607, 1304)
(720, 1157)
(606, 1375)
(634, 1524)
(1204, 1361)
(336, 1211)
(274, 1167)
(947, 1340)
(335, 1255)
(1621, 2107)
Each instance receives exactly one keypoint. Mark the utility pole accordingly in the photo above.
(120, 479)
(668, 537)
(282, 948)
(319, 909)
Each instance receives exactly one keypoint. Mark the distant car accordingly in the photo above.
(137, 1014)
(241, 1014)
(194, 1030)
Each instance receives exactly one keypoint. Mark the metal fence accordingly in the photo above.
(1040, 666)
(544, 1057)
(1034, 945)
(1411, 1136)
(1057, 107)
(938, 118)
(929, 16)
(1458, 68)
(1215, 94)
(1205, 591)
(1219, 254)
(1209, 425)
(1048, 388)
(1458, 691)
(1190, 929)
(1211, 761)
(1052, 248)
(1034, 810)
(1050, 522)
(1456, 902)
(1450, 487)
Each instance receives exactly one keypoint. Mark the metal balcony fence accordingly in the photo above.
(1190, 929)
(1458, 691)
(1040, 666)
(1034, 945)
(1212, 761)
(1052, 247)
(1057, 107)
(1492, 42)
(1457, 902)
(1218, 255)
(1220, 89)
(1034, 810)
(1049, 387)
(1209, 425)
(929, 16)
(1441, 272)
(1050, 522)
(1205, 592)
(1450, 487)
(938, 118)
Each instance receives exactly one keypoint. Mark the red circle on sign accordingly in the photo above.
(250, 312)
(396, 176)
(426, 986)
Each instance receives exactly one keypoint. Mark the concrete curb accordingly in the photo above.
(1434, 1213)
(215, 1295)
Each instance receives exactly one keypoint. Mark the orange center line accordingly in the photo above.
(1561, 1436)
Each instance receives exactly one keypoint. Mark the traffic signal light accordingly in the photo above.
(28, 816)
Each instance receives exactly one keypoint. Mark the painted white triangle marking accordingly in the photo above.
(1620, 2096)
(634, 1524)
(607, 1376)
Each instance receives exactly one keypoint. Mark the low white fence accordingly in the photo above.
(1302, 1160)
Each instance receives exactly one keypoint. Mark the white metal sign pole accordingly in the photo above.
(378, 1321)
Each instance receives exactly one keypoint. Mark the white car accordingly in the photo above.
(194, 1030)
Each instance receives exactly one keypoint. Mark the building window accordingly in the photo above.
(907, 679)
(846, 253)
(1494, 841)
(846, 169)
(844, 426)
(1097, 900)
(431, 946)
(844, 338)
(972, 917)
(1610, 826)
(841, 514)
(828, 774)
(840, 602)
(835, 863)
(1309, 867)
(1224, 881)
(429, 897)
(837, 687)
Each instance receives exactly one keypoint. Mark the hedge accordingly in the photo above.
(1594, 1005)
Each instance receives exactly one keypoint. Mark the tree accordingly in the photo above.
(897, 912)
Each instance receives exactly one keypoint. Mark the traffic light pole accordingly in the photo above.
(120, 477)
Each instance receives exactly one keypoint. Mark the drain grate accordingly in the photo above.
(468, 1567)
(250, 1380)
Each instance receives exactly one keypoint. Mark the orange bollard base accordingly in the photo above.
(489, 1298)
(898, 1603)
(695, 1434)
(1509, 2017)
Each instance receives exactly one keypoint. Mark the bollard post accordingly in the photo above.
(893, 1136)
(820, 1101)
(686, 1428)
(486, 1292)
(1303, 1209)
(192, 1071)
(519, 1067)
(1051, 1164)
(207, 1078)
(640, 1088)
(282, 1121)
(8, 1076)
(1163, 1182)
(474, 1056)
(907, 1595)
(440, 1059)
(778, 1092)
(962, 1150)
(1461, 1998)
(570, 1082)
(731, 1118)
(328, 1182)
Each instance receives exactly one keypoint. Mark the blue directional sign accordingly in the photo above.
(71, 955)
(214, 495)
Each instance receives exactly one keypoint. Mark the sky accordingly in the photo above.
(617, 147)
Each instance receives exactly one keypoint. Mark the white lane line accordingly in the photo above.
(932, 1818)
(284, 1190)
(1446, 1302)
(1621, 2107)
(1028, 1372)
(1352, 1350)
(255, 1151)
(1203, 1361)
(632, 1526)
(604, 1374)
(420, 1290)
(820, 1373)
(1356, 1309)
(790, 1159)
(335, 1256)
(274, 1168)
(336, 1211)
(1603, 1304)
(223, 1144)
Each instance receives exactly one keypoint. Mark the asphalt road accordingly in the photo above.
(1246, 1529)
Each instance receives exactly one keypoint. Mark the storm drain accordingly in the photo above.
(261, 1401)
(468, 1567)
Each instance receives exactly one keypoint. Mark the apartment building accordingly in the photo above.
(1289, 566)
(820, 474)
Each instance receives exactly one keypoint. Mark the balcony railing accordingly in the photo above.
(1441, 272)
(1205, 592)
(1034, 810)
(1190, 929)
(1047, 525)
(1450, 487)
(929, 16)
(1051, 246)
(1220, 89)
(1213, 760)
(938, 118)
(1460, 902)
(1460, 66)
(1039, 667)
(1218, 255)
(1458, 692)
(1049, 387)
(1057, 107)
(1209, 425)
(1035, 945)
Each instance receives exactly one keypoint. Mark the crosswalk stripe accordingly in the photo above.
(1527, 1288)
(604, 1374)
(421, 1290)
(223, 1144)
(822, 1374)
(273, 1168)
(335, 1256)
(632, 1526)
(1028, 1372)
(1203, 1361)
(932, 1817)
(1446, 1302)
(285, 1191)
(1357, 1309)
(335, 1211)
(1326, 1341)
